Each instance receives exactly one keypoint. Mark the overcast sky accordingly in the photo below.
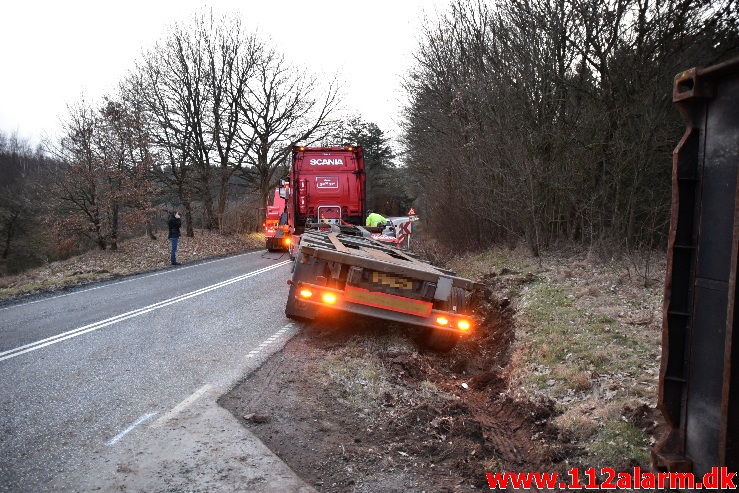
(55, 51)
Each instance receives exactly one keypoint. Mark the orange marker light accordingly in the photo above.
(329, 298)
(463, 325)
(287, 241)
(306, 293)
(442, 321)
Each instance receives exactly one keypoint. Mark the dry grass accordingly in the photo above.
(359, 382)
(133, 256)
(587, 337)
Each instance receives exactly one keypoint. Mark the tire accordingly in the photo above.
(293, 312)
(444, 340)
(439, 340)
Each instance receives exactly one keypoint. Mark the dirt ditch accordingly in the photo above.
(353, 405)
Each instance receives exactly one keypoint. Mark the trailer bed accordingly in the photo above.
(352, 273)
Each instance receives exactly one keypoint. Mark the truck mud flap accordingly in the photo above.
(302, 271)
(699, 374)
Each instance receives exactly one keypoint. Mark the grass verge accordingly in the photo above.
(588, 338)
(133, 256)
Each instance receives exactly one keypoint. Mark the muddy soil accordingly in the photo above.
(443, 421)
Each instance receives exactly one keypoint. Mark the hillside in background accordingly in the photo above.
(134, 256)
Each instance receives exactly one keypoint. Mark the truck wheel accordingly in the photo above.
(444, 340)
(293, 311)
(440, 340)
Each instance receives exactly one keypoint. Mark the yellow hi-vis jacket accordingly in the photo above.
(375, 219)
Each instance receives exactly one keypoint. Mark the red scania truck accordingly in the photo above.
(326, 187)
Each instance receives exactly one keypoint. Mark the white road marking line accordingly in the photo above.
(12, 353)
(205, 388)
(128, 430)
(270, 340)
(181, 406)
(158, 273)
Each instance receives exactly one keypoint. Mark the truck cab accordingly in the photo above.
(325, 187)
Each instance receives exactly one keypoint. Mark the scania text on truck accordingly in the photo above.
(325, 187)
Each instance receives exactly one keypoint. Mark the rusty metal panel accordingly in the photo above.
(699, 375)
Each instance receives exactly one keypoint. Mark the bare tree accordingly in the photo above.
(158, 83)
(26, 174)
(283, 107)
(195, 83)
(552, 119)
(105, 188)
(126, 156)
(82, 199)
(231, 57)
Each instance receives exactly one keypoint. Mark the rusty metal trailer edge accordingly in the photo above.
(699, 374)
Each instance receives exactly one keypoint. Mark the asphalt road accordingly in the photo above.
(85, 372)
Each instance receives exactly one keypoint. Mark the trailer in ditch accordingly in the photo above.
(345, 270)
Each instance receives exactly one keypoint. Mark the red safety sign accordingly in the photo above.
(404, 231)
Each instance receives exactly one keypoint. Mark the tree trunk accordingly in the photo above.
(150, 231)
(9, 235)
(185, 199)
(190, 232)
(207, 199)
(114, 228)
(223, 196)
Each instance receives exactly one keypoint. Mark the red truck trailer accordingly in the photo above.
(326, 187)
(276, 228)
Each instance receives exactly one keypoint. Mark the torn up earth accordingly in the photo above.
(355, 405)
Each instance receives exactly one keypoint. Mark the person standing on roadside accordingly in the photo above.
(174, 235)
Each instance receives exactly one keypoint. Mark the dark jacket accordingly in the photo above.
(174, 226)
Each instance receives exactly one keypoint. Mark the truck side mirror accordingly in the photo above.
(283, 192)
